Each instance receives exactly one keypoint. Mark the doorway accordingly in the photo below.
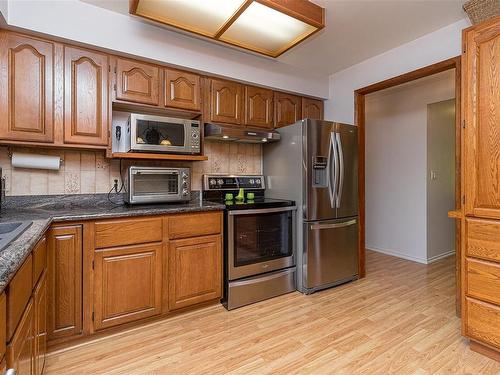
(360, 120)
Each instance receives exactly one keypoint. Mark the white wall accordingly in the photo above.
(440, 178)
(86, 23)
(396, 165)
(440, 45)
(4, 10)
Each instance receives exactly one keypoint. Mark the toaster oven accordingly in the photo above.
(157, 185)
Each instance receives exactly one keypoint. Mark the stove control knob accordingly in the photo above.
(185, 192)
(212, 181)
(257, 181)
(220, 181)
(252, 181)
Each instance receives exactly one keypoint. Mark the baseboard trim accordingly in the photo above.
(435, 258)
(401, 255)
(397, 254)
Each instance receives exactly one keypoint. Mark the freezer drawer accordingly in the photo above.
(330, 254)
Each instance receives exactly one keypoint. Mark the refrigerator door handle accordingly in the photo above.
(333, 140)
(333, 225)
(331, 164)
(341, 169)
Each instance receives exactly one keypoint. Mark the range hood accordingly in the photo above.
(242, 135)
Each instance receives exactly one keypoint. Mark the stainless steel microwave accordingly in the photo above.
(157, 185)
(157, 134)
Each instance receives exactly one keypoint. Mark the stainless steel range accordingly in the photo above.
(259, 240)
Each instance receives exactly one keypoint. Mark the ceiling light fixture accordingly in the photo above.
(268, 27)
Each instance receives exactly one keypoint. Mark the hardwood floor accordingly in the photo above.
(400, 319)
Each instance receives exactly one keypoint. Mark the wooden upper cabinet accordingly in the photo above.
(259, 108)
(86, 112)
(64, 271)
(127, 283)
(312, 108)
(288, 109)
(226, 101)
(482, 119)
(26, 88)
(182, 90)
(137, 82)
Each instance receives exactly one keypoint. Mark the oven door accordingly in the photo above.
(159, 134)
(260, 240)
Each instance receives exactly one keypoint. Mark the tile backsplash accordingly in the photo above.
(87, 172)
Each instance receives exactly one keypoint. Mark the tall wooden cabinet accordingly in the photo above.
(64, 281)
(26, 88)
(480, 260)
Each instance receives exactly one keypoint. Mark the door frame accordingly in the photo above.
(360, 122)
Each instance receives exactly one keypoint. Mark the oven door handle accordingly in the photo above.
(260, 279)
(262, 211)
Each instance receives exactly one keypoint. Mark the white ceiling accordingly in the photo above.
(357, 29)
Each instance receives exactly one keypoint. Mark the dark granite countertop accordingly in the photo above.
(43, 210)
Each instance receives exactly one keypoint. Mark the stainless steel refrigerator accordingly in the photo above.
(316, 164)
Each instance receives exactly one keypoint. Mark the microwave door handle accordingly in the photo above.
(341, 169)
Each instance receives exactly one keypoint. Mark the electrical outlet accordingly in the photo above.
(115, 186)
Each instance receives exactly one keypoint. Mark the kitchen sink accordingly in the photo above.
(10, 231)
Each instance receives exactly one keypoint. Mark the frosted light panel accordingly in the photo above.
(266, 30)
(202, 16)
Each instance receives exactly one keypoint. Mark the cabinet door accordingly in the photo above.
(137, 82)
(312, 108)
(182, 90)
(40, 336)
(26, 88)
(288, 109)
(21, 348)
(226, 99)
(64, 281)
(195, 271)
(127, 284)
(482, 120)
(259, 109)
(86, 114)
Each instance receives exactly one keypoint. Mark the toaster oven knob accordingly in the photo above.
(184, 176)
(184, 184)
(185, 192)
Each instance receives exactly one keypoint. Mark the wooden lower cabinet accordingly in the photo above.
(20, 352)
(3, 325)
(3, 366)
(127, 284)
(195, 271)
(64, 281)
(40, 335)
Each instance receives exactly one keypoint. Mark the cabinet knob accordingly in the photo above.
(10, 371)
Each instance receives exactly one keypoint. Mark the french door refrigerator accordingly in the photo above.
(316, 164)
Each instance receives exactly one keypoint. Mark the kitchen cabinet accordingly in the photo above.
(40, 326)
(86, 100)
(182, 90)
(226, 101)
(259, 107)
(20, 352)
(64, 281)
(137, 82)
(195, 270)
(287, 109)
(26, 88)
(18, 294)
(3, 325)
(482, 120)
(480, 256)
(312, 108)
(127, 284)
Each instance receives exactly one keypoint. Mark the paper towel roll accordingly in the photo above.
(33, 161)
